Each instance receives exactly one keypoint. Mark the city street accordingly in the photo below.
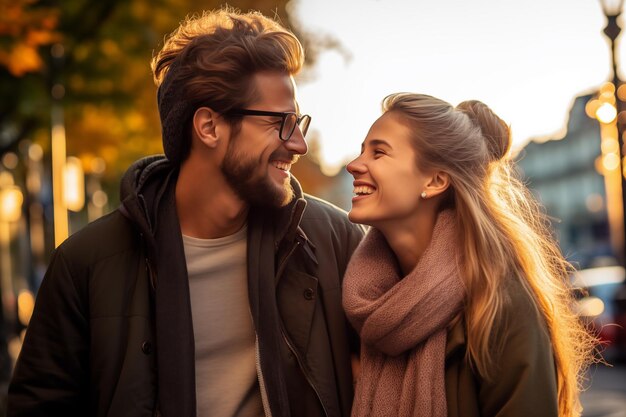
(606, 396)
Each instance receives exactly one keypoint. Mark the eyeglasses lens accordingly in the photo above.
(289, 125)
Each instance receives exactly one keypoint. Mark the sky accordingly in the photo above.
(526, 59)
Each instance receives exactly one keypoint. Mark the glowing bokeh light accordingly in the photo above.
(609, 146)
(11, 199)
(606, 113)
(590, 307)
(610, 161)
(74, 187)
(25, 306)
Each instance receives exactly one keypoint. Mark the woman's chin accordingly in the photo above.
(356, 217)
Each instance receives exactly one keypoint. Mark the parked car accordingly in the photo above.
(601, 301)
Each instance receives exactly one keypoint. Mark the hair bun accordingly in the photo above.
(495, 131)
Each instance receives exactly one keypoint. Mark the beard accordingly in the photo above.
(251, 182)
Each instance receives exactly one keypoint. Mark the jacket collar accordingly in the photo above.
(287, 219)
(145, 182)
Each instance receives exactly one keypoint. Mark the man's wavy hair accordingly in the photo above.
(216, 55)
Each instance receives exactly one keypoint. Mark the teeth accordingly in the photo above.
(363, 189)
(285, 166)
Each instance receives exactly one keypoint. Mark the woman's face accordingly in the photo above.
(387, 182)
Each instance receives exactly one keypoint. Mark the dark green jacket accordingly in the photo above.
(524, 379)
(111, 334)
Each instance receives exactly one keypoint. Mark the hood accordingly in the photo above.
(142, 188)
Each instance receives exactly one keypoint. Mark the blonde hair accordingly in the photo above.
(504, 233)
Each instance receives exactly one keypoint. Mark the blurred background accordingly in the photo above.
(77, 106)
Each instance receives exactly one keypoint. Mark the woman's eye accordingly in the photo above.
(379, 152)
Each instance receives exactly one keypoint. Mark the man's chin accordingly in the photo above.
(272, 195)
(282, 191)
(283, 195)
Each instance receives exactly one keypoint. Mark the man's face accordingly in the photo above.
(257, 162)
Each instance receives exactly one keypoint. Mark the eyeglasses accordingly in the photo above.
(289, 120)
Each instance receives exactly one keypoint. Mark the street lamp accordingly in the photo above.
(612, 10)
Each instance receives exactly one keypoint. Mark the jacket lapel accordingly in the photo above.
(174, 328)
(262, 295)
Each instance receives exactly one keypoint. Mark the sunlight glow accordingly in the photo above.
(483, 51)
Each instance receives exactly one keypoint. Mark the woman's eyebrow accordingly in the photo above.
(378, 142)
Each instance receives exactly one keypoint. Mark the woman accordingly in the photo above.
(458, 292)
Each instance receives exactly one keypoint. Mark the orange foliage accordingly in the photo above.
(26, 29)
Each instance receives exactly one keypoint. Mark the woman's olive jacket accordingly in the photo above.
(523, 383)
(112, 335)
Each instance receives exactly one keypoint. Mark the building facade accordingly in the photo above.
(562, 174)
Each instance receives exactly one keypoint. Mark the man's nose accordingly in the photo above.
(296, 143)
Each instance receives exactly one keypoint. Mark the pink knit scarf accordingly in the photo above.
(402, 323)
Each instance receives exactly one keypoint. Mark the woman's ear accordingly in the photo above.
(205, 122)
(437, 184)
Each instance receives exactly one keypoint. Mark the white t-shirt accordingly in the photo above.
(226, 377)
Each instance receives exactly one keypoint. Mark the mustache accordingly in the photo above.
(292, 158)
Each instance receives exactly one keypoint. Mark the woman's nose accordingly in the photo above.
(355, 167)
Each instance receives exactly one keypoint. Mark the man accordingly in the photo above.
(214, 290)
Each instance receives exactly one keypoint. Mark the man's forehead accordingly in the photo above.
(275, 80)
(274, 91)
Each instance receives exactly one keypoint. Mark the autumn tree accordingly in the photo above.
(91, 59)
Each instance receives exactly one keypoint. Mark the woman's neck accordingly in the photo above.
(409, 239)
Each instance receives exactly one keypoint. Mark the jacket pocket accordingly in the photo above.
(297, 296)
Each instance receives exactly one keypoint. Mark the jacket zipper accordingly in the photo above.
(302, 368)
(280, 271)
(257, 353)
(259, 372)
